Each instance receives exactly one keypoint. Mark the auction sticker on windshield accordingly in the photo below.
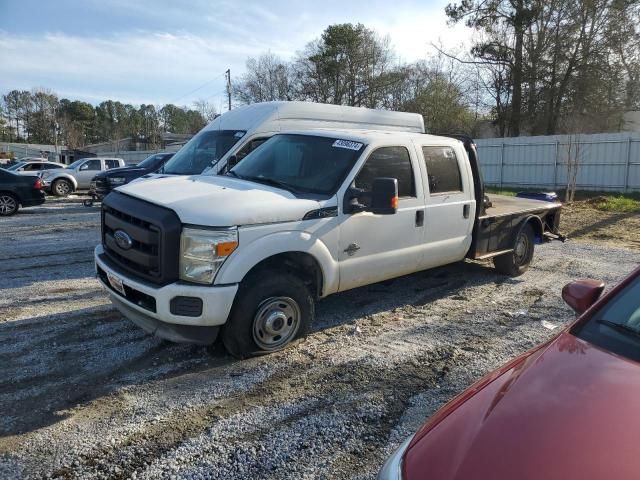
(116, 283)
(347, 144)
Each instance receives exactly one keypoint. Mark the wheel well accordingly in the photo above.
(536, 224)
(68, 180)
(301, 264)
(13, 194)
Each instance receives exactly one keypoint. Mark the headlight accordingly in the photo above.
(202, 252)
(117, 180)
(392, 469)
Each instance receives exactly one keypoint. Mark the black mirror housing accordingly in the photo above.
(384, 196)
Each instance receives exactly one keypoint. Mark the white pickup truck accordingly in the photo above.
(305, 215)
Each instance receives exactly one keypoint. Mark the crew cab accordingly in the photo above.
(307, 214)
(77, 176)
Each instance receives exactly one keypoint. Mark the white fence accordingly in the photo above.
(606, 162)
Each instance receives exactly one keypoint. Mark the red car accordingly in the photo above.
(568, 409)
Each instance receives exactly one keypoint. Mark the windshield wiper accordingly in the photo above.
(274, 183)
(621, 327)
(231, 173)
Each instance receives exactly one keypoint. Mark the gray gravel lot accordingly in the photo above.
(85, 394)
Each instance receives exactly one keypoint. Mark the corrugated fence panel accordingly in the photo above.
(605, 161)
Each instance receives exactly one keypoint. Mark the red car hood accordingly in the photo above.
(567, 411)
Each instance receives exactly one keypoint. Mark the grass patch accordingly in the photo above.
(617, 204)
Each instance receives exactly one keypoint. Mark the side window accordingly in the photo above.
(250, 147)
(111, 164)
(50, 166)
(33, 167)
(443, 170)
(91, 165)
(393, 162)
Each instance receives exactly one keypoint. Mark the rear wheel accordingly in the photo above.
(271, 311)
(61, 188)
(517, 262)
(8, 204)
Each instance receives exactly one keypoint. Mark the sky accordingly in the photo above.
(160, 51)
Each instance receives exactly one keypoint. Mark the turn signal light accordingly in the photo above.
(226, 248)
(394, 202)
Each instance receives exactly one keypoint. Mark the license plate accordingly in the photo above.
(116, 283)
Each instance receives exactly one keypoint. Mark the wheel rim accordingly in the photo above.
(276, 322)
(7, 204)
(62, 188)
(521, 251)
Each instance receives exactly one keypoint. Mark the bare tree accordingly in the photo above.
(267, 78)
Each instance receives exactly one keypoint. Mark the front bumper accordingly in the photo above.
(150, 305)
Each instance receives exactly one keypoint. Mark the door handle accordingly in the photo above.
(465, 210)
(419, 218)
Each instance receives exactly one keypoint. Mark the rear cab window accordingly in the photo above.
(443, 170)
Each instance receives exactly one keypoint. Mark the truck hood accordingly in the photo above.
(221, 201)
(569, 410)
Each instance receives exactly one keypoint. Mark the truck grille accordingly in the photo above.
(151, 233)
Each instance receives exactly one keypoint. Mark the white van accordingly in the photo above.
(230, 137)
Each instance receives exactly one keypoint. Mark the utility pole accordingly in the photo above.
(228, 74)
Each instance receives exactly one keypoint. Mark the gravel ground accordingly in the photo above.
(86, 394)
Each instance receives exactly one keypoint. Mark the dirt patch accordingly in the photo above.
(583, 221)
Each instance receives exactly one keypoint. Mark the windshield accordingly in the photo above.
(616, 326)
(152, 161)
(202, 151)
(16, 166)
(76, 163)
(300, 163)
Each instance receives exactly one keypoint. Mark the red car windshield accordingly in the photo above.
(616, 326)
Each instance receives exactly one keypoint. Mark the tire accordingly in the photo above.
(9, 204)
(61, 188)
(271, 310)
(517, 262)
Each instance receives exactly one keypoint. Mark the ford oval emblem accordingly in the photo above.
(123, 240)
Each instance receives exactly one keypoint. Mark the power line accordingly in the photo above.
(200, 87)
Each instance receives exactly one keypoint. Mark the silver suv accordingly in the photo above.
(78, 175)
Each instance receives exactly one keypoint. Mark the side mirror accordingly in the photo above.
(384, 196)
(581, 294)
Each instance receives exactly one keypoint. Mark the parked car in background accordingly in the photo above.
(78, 175)
(34, 167)
(18, 191)
(106, 181)
(566, 409)
(232, 136)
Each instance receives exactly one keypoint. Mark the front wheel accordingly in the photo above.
(61, 188)
(517, 262)
(8, 205)
(271, 311)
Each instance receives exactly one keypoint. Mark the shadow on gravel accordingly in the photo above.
(416, 289)
(53, 363)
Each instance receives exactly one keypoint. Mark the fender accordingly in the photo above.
(66, 176)
(246, 257)
(536, 223)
